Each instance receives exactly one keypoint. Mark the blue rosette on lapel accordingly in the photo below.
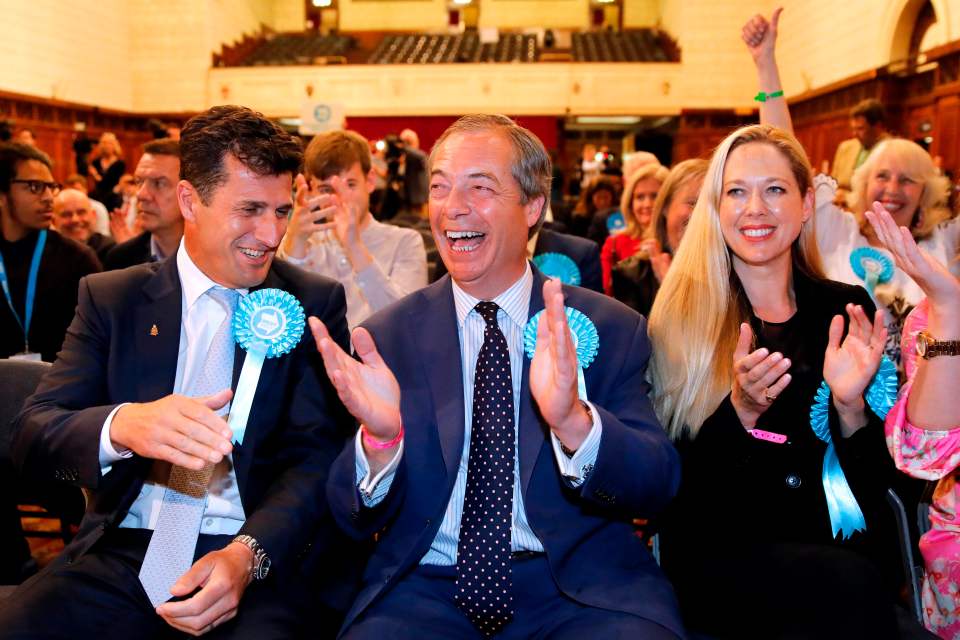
(616, 223)
(845, 514)
(586, 340)
(872, 266)
(560, 266)
(267, 324)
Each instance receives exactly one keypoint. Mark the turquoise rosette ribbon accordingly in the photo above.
(616, 222)
(586, 341)
(845, 514)
(872, 266)
(267, 324)
(558, 265)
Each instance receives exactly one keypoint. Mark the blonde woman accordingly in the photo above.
(106, 170)
(636, 205)
(744, 330)
(635, 280)
(898, 173)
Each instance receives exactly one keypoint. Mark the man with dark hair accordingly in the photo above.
(74, 217)
(133, 411)
(34, 317)
(867, 127)
(502, 489)
(39, 272)
(158, 212)
(333, 232)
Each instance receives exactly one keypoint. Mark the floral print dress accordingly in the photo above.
(931, 455)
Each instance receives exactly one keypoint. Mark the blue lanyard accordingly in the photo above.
(31, 288)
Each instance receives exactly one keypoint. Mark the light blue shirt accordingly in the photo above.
(514, 306)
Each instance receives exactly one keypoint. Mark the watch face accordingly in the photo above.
(263, 568)
(921, 344)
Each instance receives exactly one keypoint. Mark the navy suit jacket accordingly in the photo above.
(585, 253)
(295, 430)
(586, 532)
(134, 251)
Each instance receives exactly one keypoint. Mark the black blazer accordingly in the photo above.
(738, 492)
(586, 532)
(127, 254)
(586, 253)
(111, 355)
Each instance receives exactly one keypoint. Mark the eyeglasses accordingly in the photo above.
(37, 187)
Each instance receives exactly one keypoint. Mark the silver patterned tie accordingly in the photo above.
(171, 549)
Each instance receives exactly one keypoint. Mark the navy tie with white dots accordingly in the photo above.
(484, 578)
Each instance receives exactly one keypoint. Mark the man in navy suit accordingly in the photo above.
(114, 416)
(503, 498)
(584, 253)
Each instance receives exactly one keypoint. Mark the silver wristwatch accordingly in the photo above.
(261, 562)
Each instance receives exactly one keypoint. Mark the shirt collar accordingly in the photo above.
(515, 301)
(194, 282)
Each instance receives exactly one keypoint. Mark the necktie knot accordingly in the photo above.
(226, 298)
(488, 311)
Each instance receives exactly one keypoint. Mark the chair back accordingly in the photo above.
(18, 380)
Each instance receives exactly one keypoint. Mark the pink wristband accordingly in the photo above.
(769, 436)
(376, 444)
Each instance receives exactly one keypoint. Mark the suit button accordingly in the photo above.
(793, 481)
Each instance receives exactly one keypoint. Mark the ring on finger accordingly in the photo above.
(770, 398)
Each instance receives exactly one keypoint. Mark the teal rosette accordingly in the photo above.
(616, 222)
(845, 514)
(558, 265)
(881, 395)
(266, 324)
(872, 266)
(586, 340)
(270, 321)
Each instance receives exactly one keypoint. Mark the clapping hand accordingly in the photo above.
(368, 389)
(758, 378)
(553, 372)
(848, 366)
(940, 286)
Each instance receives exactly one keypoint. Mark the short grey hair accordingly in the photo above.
(531, 166)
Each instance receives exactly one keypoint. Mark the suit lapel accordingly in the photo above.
(435, 330)
(531, 436)
(157, 334)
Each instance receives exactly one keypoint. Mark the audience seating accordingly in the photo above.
(299, 49)
(426, 48)
(642, 45)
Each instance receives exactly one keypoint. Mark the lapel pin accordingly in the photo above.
(154, 331)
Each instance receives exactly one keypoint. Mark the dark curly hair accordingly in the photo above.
(261, 145)
(12, 154)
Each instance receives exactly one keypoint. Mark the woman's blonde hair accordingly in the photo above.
(931, 210)
(680, 175)
(654, 171)
(110, 138)
(695, 320)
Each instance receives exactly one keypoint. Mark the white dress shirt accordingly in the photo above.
(201, 317)
(512, 316)
(399, 267)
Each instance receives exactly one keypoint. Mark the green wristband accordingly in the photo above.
(763, 97)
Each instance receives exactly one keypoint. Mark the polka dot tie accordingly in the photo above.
(484, 580)
(170, 552)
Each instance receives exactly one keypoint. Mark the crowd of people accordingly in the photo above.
(299, 407)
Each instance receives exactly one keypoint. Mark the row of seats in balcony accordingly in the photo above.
(626, 46)
(462, 47)
(298, 48)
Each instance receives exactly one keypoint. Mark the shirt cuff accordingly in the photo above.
(576, 468)
(374, 489)
(108, 454)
